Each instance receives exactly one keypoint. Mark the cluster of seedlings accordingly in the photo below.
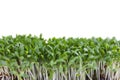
(27, 57)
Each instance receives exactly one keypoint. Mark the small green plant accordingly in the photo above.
(35, 58)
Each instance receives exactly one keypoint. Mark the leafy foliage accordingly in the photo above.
(59, 55)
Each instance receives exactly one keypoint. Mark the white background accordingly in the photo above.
(69, 18)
